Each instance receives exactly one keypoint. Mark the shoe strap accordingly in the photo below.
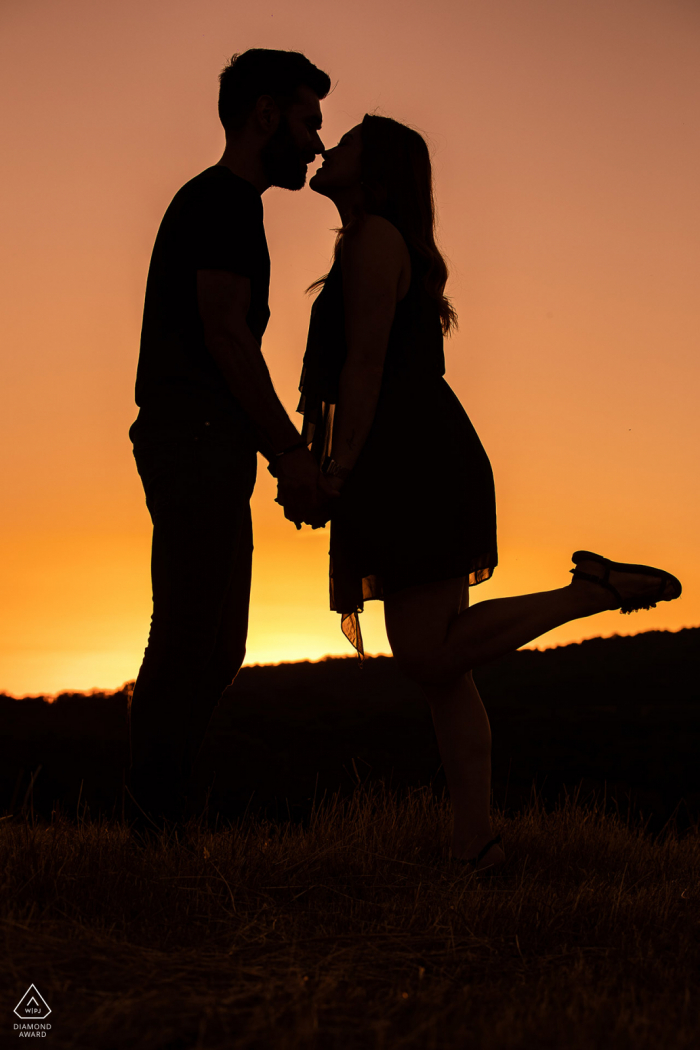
(579, 574)
(482, 853)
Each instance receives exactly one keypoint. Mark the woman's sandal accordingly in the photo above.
(628, 605)
(474, 861)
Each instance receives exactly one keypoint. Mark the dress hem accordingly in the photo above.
(350, 620)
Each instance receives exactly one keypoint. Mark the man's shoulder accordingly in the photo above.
(218, 183)
(214, 206)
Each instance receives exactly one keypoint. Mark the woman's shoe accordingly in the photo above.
(627, 605)
(474, 861)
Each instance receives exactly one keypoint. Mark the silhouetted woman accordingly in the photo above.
(410, 489)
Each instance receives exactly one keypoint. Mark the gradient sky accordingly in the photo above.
(567, 161)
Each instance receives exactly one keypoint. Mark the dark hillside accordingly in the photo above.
(619, 713)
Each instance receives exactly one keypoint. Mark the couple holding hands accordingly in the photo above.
(386, 452)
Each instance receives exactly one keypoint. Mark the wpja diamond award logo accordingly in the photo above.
(32, 1010)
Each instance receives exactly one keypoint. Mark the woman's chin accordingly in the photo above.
(316, 184)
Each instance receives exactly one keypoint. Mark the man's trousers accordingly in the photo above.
(198, 479)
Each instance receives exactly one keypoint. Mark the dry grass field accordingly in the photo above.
(353, 931)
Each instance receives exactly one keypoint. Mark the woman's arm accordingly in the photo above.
(375, 264)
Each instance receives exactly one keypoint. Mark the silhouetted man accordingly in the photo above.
(207, 404)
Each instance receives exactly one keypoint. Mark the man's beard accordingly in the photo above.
(282, 160)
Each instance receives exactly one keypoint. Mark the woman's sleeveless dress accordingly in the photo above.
(419, 505)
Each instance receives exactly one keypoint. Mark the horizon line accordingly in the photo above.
(97, 691)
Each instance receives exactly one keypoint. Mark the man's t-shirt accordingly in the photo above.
(215, 222)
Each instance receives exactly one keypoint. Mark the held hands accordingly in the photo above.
(305, 494)
(328, 489)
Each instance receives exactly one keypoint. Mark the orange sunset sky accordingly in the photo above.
(566, 150)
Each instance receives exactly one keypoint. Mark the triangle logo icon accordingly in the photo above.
(32, 1006)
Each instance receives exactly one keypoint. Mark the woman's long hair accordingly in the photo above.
(398, 184)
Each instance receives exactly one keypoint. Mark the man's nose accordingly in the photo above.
(318, 145)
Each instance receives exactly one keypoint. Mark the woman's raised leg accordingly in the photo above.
(435, 648)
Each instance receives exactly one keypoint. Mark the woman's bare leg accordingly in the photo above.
(435, 646)
(437, 639)
(464, 738)
(462, 728)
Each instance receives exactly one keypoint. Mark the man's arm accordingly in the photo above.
(224, 299)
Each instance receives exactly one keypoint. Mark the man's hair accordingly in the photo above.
(260, 71)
